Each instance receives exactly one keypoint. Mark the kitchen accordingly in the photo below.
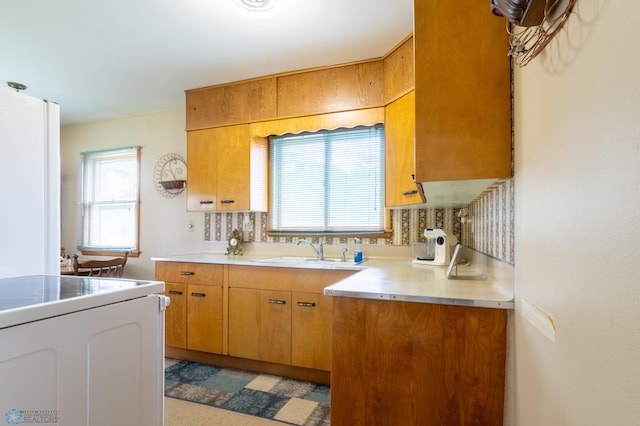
(575, 184)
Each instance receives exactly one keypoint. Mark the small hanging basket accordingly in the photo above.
(173, 184)
(167, 173)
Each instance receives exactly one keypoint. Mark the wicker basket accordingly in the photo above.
(173, 184)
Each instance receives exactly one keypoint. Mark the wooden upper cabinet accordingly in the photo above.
(398, 71)
(236, 103)
(227, 170)
(333, 89)
(462, 85)
(400, 187)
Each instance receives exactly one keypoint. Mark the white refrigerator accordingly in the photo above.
(30, 179)
(73, 350)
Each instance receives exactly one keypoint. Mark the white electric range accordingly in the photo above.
(81, 350)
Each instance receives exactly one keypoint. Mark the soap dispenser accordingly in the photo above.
(357, 253)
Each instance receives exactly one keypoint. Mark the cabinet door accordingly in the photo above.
(399, 152)
(311, 331)
(175, 318)
(204, 318)
(462, 86)
(388, 355)
(234, 172)
(202, 170)
(260, 324)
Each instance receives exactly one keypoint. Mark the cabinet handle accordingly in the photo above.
(175, 292)
(206, 202)
(412, 192)
(187, 273)
(307, 304)
(227, 201)
(198, 294)
(277, 302)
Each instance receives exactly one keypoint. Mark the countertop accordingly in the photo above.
(393, 279)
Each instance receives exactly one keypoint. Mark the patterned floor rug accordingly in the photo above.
(276, 398)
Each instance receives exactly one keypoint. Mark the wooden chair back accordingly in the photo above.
(111, 268)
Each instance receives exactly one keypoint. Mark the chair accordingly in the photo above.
(111, 268)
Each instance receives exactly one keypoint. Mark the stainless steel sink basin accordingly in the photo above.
(299, 261)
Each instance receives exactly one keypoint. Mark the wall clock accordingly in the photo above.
(235, 243)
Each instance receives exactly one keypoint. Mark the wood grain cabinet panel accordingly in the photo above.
(398, 71)
(236, 103)
(311, 331)
(400, 186)
(462, 86)
(260, 325)
(204, 318)
(175, 318)
(334, 89)
(417, 364)
(280, 314)
(227, 170)
(194, 318)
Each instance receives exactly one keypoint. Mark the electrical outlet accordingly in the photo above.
(191, 226)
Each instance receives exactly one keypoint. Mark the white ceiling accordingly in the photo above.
(115, 58)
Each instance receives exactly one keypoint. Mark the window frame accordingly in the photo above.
(134, 251)
(383, 230)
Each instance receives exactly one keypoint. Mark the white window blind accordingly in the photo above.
(110, 204)
(328, 181)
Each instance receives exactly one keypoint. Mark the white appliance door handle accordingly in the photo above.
(163, 302)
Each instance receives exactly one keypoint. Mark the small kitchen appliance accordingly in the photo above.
(436, 250)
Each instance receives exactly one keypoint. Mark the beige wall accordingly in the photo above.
(577, 222)
(164, 220)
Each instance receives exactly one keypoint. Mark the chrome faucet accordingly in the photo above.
(316, 248)
(343, 255)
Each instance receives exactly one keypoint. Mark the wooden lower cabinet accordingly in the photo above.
(260, 324)
(404, 363)
(266, 315)
(280, 315)
(311, 331)
(194, 317)
(175, 316)
(204, 318)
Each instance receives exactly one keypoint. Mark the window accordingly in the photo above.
(328, 181)
(110, 200)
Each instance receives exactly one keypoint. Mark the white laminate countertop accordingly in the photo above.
(393, 279)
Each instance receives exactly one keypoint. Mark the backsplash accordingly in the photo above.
(488, 225)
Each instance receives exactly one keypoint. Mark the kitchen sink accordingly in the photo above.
(300, 261)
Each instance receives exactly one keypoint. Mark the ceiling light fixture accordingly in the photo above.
(254, 8)
(17, 86)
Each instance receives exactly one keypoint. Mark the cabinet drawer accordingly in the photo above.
(189, 273)
(285, 279)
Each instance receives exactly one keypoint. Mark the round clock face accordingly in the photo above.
(233, 242)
